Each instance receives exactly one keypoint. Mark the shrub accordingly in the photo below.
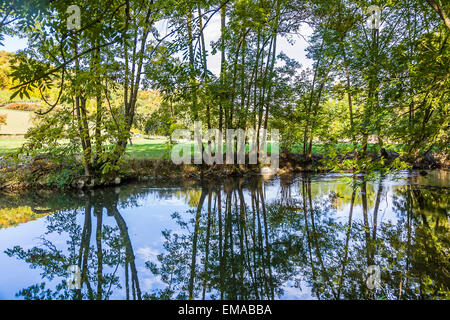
(23, 106)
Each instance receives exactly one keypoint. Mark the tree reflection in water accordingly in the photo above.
(112, 248)
(237, 244)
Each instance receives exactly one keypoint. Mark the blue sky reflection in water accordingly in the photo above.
(300, 237)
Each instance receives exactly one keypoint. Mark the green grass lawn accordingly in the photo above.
(10, 144)
(142, 148)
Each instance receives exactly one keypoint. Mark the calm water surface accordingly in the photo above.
(303, 237)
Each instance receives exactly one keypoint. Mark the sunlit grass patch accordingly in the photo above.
(11, 217)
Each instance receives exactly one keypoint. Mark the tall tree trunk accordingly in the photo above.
(193, 84)
(222, 63)
(350, 107)
(208, 232)
(439, 8)
(194, 244)
(347, 239)
(272, 63)
(83, 129)
(98, 212)
(130, 258)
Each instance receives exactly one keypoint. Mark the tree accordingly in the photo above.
(90, 65)
(441, 9)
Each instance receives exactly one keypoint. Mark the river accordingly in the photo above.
(297, 237)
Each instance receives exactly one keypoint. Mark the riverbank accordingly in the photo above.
(42, 173)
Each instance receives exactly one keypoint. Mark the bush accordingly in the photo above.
(158, 125)
(23, 106)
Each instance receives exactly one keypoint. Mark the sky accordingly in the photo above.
(12, 44)
(212, 33)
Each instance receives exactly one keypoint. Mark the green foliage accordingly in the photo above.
(63, 178)
(366, 93)
(54, 134)
(160, 122)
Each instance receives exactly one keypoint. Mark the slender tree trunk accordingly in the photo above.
(81, 123)
(222, 63)
(193, 83)
(439, 8)
(350, 108)
(98, 236)
(208, 232)
(347, 239)
(194, 244)
(129, 252)
(272, 64)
